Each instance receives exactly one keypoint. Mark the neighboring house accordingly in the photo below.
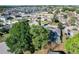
(71, 14)
(67, 29)
(22, 14)
(3, 19)
(34, 22)
(61, 18)
(18, 17)
(6, 28)
(9, 18)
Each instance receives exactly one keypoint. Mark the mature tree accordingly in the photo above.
(40, 36)
(50, 9)
(55, 18)
(1, 23)
(65, 16)
(57, 11)
(68, 9)
(73, 20)
(19, 39)
(77, 11)
(1, 10)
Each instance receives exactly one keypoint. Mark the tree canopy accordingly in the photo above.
(19, 39)
(40, 36)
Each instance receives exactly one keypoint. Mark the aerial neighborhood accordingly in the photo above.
(60, 22)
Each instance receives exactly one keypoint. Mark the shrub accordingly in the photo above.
(72, 44)
(20, 39)
(40, 36)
